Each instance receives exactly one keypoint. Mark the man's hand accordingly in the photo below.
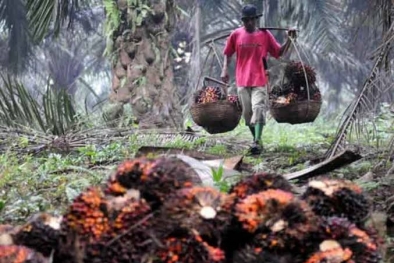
(224, 76)
(292, 33)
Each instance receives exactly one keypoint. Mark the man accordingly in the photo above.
(252, 46)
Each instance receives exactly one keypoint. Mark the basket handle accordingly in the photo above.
(222, 84)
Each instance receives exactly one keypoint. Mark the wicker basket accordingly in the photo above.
(297, 112)
(216, 117)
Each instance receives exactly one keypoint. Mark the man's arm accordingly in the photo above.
(285, 47)
(224, 76)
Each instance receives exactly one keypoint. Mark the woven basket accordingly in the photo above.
(297, 112)
(216, 117)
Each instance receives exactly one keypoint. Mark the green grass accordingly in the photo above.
(29, 184)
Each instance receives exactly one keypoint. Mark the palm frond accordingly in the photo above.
(46, 15)
(362, 104)
(55, 114)
(13, 14)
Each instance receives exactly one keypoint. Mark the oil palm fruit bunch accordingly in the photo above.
(40, 233)
(295, 72)
(259, 182)
(87, 216)
(127, 236)
(209, 94)
(235, 100)
(20, 254)
(6, 234)
(187, 248)
(153, 178)
(342, 241)
(316, 96)
(85, 221)
(251, 254)
(330, 197)
(277, 220)
(203, 209)
(331, 251)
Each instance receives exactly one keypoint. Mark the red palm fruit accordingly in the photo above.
(337, 198)
(331, 251)
(295, 72)
(6, 233)
(154, 178)
(277, 219)
(188, 248)
(40, 233)
(259, 182)
(87, 216)
(364, 247)
(204, 209)
(20, 254)
(257, 210)
(127, 236)
(251, 254)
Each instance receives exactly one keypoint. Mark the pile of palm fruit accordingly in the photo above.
(155, 210)
(298, 77)
(213, 94)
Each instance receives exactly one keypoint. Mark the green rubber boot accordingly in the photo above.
(258, 132)
(256, 148)
(252, 130)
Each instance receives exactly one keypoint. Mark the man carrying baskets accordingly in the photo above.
(251, 46)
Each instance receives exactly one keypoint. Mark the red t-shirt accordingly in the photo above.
(251, 48)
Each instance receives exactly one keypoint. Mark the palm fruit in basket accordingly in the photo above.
(213, 94)
(295, 73)
(209, 94)
(234, 99)
(295, 87)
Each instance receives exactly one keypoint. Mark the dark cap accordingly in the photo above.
(250, 11)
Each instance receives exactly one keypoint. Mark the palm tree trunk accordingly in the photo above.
(142, 72)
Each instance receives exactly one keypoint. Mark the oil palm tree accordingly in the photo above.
(25, 23)
(139, 44)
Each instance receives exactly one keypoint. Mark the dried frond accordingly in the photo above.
(356, 111)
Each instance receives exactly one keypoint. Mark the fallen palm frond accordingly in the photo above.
(366, 101)
(27, 140)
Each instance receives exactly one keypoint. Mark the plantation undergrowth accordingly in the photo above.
(49, 181)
